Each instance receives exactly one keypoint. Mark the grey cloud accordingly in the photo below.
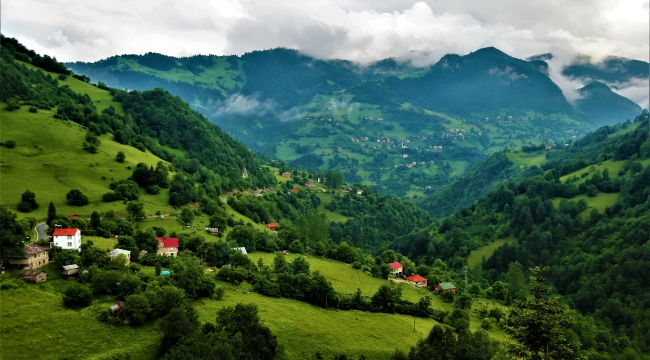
(239, 104)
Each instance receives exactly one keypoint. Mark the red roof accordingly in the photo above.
(416, 278)
(73, 216)
(65, 232)
(169, 242)
(395, 265)
(271, 225)
(294, 190)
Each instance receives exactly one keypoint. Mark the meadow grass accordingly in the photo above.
(599, 202)
(527, 159)
(476, 256)
(49, 160)
(613, 166)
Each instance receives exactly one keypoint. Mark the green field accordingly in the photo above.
(527, 159)
(599, 202)
(37, 164)
(613, 166)
(486, 251)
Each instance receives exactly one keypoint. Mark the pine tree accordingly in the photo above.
(539, 323)
(51, 213)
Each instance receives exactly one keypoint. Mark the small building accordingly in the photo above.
(35, 276)
(359, 192)
(395, 268)
(69, 270)
(271, 226)
(117, 252)
(242, 249)
(213, 231)
(35, 257)
(69, 239)
(117, 309)
(340, 149)
(417, 280)
(167, 246)
(286, 175)
(73, 216)
(309, 184)
(295, 191)
(446, 286)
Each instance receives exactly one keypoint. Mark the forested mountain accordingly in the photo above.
(610, 70)
(335, 114)
(585, 213)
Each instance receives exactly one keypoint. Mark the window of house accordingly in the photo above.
(69, 237)
(70, 244)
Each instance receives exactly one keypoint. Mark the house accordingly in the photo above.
(309, 184)
(359, 192)
(271, 225)
(295, 191)
(446, 286)
(117, 252)
(242, 249)
(213, 231)
(417, 280)
(73, 216)
(286, 175)
(36, 276)
(35, 257)
(340, 149)
(117, 309)
(395, 268)
(167, 246)
(69, 239)
(69, 270)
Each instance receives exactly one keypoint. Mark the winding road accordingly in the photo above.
(40, 231)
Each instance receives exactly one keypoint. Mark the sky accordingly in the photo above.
(358, 30)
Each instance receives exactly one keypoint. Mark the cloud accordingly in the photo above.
(358, 30)
(635, 90)
(239, 104)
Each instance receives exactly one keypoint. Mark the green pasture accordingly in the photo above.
(613, 166)
(527, 159)
(476, 256)
(49, 160)
(599, 202)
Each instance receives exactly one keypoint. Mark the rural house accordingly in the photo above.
(35, 257)
(36, 276)
(417, 280)
(395, 268)
(286, 175)
(446, 286)
(167, 246)
(242, 249)
(69, 270)
(69, 239)
(309, 184)
(271, 226)
(117, 252)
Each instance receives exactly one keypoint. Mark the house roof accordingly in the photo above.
(29, 272)
(416, 278)
(117, 252)
(34, 249)
(395, 265)
(242, 249)
(70, 267)
(446, 286)
(294, 190)
(309, 183)
(65, 232)
(271, 225)
(73, 216)
(169, 242)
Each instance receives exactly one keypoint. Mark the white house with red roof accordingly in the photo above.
(69, 239)
(167, 246)
(395, 268)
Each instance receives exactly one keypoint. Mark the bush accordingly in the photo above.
(33, 109)
(10, 144)
(77, 296)
(486, 325)
(120, 157)
(28, 202)
(75, 197)
(12, 104)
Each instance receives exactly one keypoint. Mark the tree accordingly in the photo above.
(28, 202)
(539, 324)
(137, 308)
(464, 302)
(95, 220)
(12, 235)
(75, 197)
(136, 210)
(516, 280)
(92, 255)
(186, 216)
(251, 340)
(64, 257)
(77, 296)
(120, 157)
(458, 319)
(51, 213)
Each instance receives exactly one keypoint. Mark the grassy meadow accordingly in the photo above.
(476, 256)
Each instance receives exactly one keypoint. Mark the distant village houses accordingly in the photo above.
(286, 175)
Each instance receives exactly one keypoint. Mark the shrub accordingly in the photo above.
(75, 197)
(486, 325)
(77, 296)
(28, 202)
(12, 104)
(33, 109)
(120, 157)
(10, 144)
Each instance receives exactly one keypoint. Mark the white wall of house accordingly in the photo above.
(70, 242)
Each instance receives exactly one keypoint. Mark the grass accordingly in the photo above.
(613, 166)
(486, 251)
(49, 160)
(527, 159)
(36, 325)
(599, 202)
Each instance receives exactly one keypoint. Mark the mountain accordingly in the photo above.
(403, 130)
(600, 104)
(611, 70)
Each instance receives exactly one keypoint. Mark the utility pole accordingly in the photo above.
(466, 277)
(413, 323)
